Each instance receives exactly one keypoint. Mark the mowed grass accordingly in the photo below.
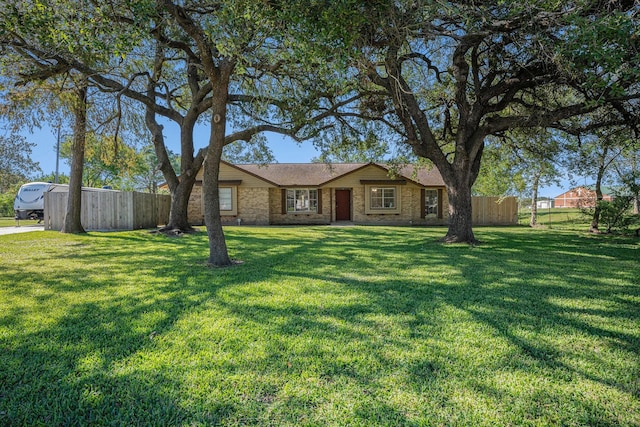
(11, 222)
(559, 218)
(355, 326)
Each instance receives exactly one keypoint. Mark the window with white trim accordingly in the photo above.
(382, 198)
(302, 200)
(226, 198)
(431, 203)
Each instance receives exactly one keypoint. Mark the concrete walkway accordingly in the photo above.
(21, 229)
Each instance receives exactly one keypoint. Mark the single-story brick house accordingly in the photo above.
(318, 193)
(581, 197)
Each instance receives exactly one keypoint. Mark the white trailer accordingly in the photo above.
(29, 202)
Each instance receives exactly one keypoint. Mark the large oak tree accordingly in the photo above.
(259, 81)
(232, 60)
(444, 76)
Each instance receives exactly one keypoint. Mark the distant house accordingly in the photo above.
(318, 193)
(545, 203)
(581, 197)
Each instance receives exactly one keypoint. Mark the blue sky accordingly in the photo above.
(284, 149)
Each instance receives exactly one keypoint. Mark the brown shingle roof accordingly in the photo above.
(318, 174)
(422, 175)
(300, 174)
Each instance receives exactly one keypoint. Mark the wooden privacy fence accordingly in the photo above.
(494, 210)
(109, 210)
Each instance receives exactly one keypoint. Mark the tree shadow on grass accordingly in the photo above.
(73, 367)
(527, 290)
(527, 295)
(568, 313)
(69, 367)
(318, 326)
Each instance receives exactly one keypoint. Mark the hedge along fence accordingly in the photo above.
(494, 210)
(109, 210)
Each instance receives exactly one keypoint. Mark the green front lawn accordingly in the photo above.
(358, 326)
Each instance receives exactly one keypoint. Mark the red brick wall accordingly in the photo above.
(579, 197)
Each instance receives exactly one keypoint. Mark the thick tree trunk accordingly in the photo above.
(218, 255)
(459, 178)
(179, 209)
(459, 174)
(189, 166)
(180, 188)
(460, 215)
(72, 222)
(533, 221)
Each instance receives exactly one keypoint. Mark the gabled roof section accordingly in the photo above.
(421, 175)
(301, 174)
(248, 170)
(320, 174)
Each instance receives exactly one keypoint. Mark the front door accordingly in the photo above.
(343, 205)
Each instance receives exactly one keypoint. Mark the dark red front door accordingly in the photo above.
(343, 205)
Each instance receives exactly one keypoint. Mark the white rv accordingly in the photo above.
(29, 202)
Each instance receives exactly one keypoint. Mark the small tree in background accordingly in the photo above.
(16, 166)
(519, 162)
(616, 214)
(104, 163)
(51, 177)
(146, 174)
(32, 36)
(6, 200)
(595, 154)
